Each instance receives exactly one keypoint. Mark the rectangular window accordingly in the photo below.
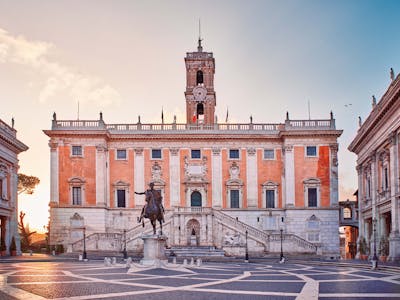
(269, 154)
(121, 198)
(311, 151)
(196, 154)
(121, 154)
(156, 153)
(312, 197)
(386, 179)
(234, 198)
(234, 153)
(76, 195)
(76, 150)
(270, 195)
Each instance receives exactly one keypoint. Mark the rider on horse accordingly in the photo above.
(151, 193)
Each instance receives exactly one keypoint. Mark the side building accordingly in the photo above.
(220, 182)
(377, 148)
(10, 147)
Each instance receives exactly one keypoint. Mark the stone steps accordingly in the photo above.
(200, 251)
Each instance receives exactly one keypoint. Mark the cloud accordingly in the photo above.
(59, 79)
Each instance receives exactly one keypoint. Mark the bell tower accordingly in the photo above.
(200, 94)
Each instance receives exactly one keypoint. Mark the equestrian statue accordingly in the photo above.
(153, 209)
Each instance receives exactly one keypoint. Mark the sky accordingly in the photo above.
(126, 58)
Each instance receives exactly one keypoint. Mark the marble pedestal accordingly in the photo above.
(153, 250)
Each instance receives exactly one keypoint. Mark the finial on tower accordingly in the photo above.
(199, 47)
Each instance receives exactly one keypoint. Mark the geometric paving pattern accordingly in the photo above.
(213, 281)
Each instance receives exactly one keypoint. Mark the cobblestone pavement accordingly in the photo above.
(233, 281)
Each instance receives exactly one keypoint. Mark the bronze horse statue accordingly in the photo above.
(153, 210)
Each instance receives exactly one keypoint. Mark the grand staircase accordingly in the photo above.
(260, 236)
(116, 241)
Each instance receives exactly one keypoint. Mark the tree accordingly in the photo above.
(24, 232)
(27, 184)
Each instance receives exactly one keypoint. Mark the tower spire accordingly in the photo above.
(199, 47)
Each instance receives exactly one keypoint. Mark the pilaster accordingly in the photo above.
(216, 173)
(334, 184)
(251, 177)
(101, 175)
(289, 176)
(54, 191)
(174, 176)
(139, 183)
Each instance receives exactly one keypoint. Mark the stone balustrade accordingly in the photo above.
(244, 128)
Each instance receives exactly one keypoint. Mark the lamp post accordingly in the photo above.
(374, 258)
(281, 257)
(84, 256)
(124, 252)
(246, 259)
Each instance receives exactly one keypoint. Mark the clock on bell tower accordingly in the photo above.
(200, 94)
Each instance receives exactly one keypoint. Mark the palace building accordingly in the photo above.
(222, 184)
(10, 147)
(378, 166)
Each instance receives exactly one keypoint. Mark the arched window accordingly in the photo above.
(195, 199)
(199, 77)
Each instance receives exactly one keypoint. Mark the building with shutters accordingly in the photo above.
(218, 180)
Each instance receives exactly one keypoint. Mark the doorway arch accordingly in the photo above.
(193, 231)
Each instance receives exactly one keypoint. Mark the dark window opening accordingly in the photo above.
(199, 77)
(121, 154)
(312, 197)
(76, 195)
(234, 153)
(234, 198)
(77, 150)
(200, 109)
(121, 198)
(270, 196)
(196, 154)
(195, 199)
(311, 151)
(155, 153)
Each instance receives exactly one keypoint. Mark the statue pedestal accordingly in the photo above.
(153, 250)
(154, 256)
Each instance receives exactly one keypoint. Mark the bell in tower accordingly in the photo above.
(200, 94)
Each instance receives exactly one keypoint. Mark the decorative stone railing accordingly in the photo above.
(309, 124)
(260, 235)
(203, 210)
(243, 128)
(92, 239)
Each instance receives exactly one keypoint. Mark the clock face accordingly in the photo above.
(199, 93)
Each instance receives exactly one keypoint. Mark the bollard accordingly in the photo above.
(198, 262)
(114, 261)
(192, 261)
(185, 262)
(80, 257)
(174, 260)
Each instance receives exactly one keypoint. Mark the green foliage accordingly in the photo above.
(27, 184)
(384, 246)
(363, 246)
(13, 246)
